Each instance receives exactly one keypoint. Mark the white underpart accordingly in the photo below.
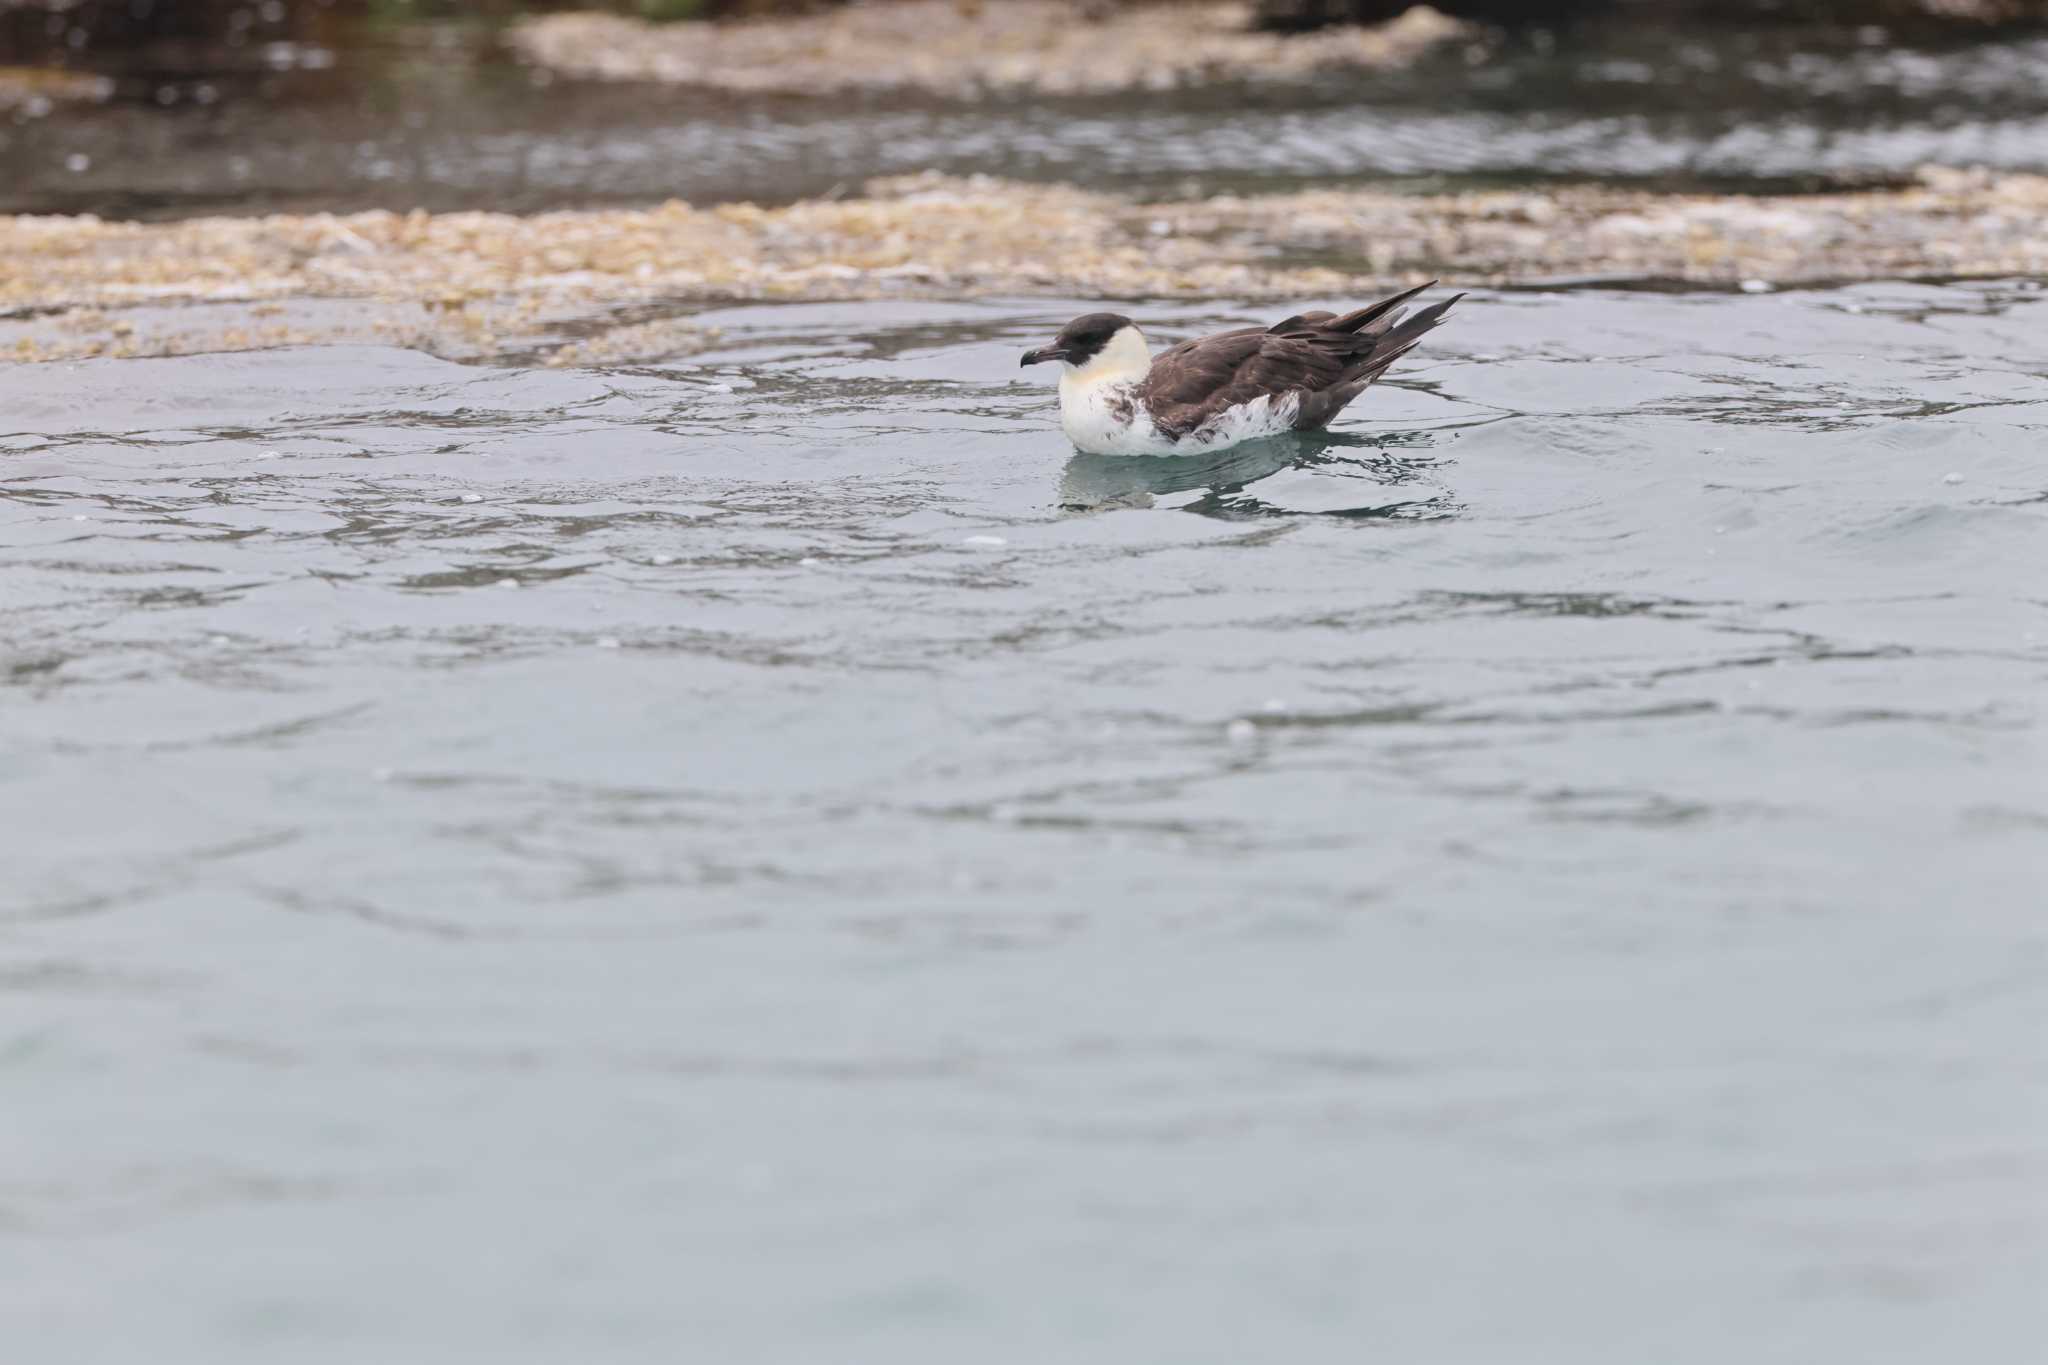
(1101, 415)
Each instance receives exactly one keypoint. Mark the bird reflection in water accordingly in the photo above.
(1352, 476)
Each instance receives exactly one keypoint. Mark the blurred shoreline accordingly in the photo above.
(335, 109)
(946, 48)
(500, 180)
(475, 285)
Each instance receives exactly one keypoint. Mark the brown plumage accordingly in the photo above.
(1326, 359)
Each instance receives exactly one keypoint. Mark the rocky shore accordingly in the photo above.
(951, 48)
(481, 284)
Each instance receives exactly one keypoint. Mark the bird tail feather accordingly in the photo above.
(1389, 308)
(1397, 341)
(1381, 335)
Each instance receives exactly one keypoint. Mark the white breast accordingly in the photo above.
(1105, 418)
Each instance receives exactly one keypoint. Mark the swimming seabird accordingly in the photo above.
(1117, 398)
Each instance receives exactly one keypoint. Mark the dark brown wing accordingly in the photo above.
(1324, 359)
(1198, 381)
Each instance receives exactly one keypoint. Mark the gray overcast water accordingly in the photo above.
(769, 858)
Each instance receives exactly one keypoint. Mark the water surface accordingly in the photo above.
(437, 116)
(770, 857)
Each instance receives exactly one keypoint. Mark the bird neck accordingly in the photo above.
(1123, 360)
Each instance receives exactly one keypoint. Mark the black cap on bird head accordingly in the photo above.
(1081, 340)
